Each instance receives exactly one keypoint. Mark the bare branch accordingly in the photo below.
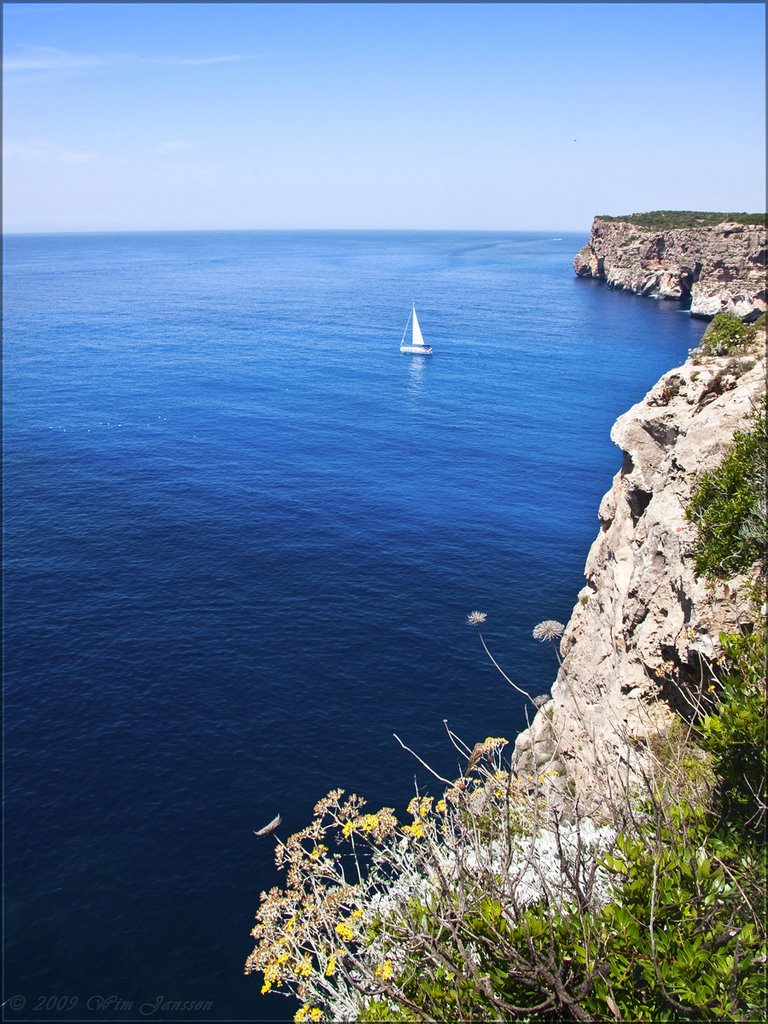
(421, 762)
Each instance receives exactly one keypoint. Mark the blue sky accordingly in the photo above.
(450, 116)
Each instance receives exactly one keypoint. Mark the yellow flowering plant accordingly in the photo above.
(336, 935)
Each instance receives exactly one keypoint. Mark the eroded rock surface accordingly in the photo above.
(644, 622)
(719, 269)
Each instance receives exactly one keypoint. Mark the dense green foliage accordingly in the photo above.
(735, 733)
(729, 507)
(729, 335)
(678, 944)
(725, 334)
(667, 219)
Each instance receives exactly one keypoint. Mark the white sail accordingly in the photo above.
(417, 344)
(418, 338)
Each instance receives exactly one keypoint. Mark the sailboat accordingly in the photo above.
(417, 345)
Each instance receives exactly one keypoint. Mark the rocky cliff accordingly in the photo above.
(645, 627)
(719, 268)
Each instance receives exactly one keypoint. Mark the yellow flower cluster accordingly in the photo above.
(379, 824)
(416, 830)
(330, 967)
(306, 1013)
(419, 806)
(303, 968)
(344, 931)
(384, 971)
(365, 823)
(492, 742)
(273, 973)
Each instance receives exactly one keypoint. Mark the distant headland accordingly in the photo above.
(717, 261)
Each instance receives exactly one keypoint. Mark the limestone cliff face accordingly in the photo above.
(644, 620)
(720, 268)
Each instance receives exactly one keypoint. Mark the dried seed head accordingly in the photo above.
(475, 618)
(548, 630)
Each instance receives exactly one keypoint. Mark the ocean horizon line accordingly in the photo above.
(304, 230)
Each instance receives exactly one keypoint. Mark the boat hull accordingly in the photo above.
(418, 350)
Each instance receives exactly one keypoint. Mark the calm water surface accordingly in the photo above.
(242, 536)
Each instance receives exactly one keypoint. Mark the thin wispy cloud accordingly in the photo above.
(38, 152)
(48, 58)
(46, 153)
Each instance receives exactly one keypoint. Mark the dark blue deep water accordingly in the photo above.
(243, 533)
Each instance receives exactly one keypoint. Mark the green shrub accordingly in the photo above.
(735, 732)
(728, 508)
(725, 334)
(675, 941)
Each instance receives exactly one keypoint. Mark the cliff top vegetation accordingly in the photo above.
(667, 219)
(727, 334)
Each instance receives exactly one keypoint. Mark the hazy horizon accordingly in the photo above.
(377, 117)
(344, 231)
(278, 230)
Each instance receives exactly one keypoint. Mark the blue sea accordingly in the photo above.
(242, 536)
